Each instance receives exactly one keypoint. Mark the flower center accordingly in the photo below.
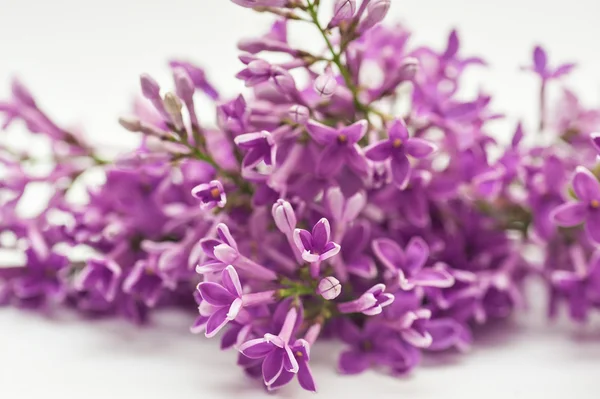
(366, 346)
(298, 354)
(595, 204)
(397, 143)
(216, 193)
(342, 138)
(149, 271)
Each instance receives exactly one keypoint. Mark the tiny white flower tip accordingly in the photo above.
(329, 288)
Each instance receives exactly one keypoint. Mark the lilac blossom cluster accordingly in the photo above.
(317, 206)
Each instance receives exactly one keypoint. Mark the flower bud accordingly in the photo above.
(376, 12)
(284, 81)
(184, 86)
(284, 216)
(326, 84)
(150, 88)
(299, 114)
(329, 288)
(343, 10)
(130, 123)
(409, 68)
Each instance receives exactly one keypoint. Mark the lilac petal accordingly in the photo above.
(225, 253)
(355, 132)
(585, 185)
(353, 362)
(362, 266)
(305, 378)
(234, 309)
(379, 151)
(417, 253)
(389, 253)
(431, 277)
(256, 348)
(596, 141)
(444, 333)
(400, 170)
(225, 235)
(398, 131)
(253, 157)
(230, 337)
(570, 214)
(276, 339)
(331, 160)
(420, 148)
(231, 281)
(330, 250)
(540, 60)
(357, 161)
(592, 226)
(215, 294)
(320, 234)
(249, 140)
(416, 339)
(452, 46)
(289, 361)
(208, 246)
(211, 267)
(566, 281)
(303, 240)
(272, 366)
(284, 378)
(199, 325)
(322, 134)
(216, 322)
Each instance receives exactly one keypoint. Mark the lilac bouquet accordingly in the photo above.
(324, 204)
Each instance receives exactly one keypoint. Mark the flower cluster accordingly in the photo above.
(318, 206)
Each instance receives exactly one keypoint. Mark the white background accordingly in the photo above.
(82, 60)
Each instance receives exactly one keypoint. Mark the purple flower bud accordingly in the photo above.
(284, 216)
(130, 123)
(299, 114)
(326, 84)
(260, 3)
(329, 288)
(343, 10)
(183, 84)
(150, 88)
(284, 81)
(376, 12)
(408, 68)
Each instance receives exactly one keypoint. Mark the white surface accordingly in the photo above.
(82, 61)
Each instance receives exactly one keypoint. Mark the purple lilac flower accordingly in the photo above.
(259, 147)
(370, 303)
(102, 276)
(340, 147)
(586, 208)
(211, 194)
(397, 147)
(407, 266)
(316, 246)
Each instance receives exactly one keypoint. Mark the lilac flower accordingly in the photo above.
(586, 209)
(581, 287)
(340, 147)
(408, 266)
(211, 194)
(275, 350)
(102, 276)
(144, 283)
(374, 345)
(274, 41)
(198, 78)
(353, 247)
(344, 210)
(397, 147)
(225, 300)
(301, 351)
(370, 303)
(260, 147)
(316, 246)
(543, 70)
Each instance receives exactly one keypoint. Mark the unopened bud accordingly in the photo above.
(409, 68)
(376, 12)
(130, 123)
(326, 84)
(150, 88)
(284, 216)
(173, 107)
(329, 288)
(299, 114)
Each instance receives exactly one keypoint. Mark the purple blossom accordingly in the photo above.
(586, 208)
(211, 194)
(397, 147)
(259, 147)
(543, 70)
(316, 246)
(260, 3)
(340, 148)
(370, 303)
(221, 302)
(407, 266)
(102, 276)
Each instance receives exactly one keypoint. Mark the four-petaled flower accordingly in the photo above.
(397, 147)
(221, 302)
(259, 146)
(586, 209)
(408, 266)
(341, 147)
(210, 194)
(315, 246)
